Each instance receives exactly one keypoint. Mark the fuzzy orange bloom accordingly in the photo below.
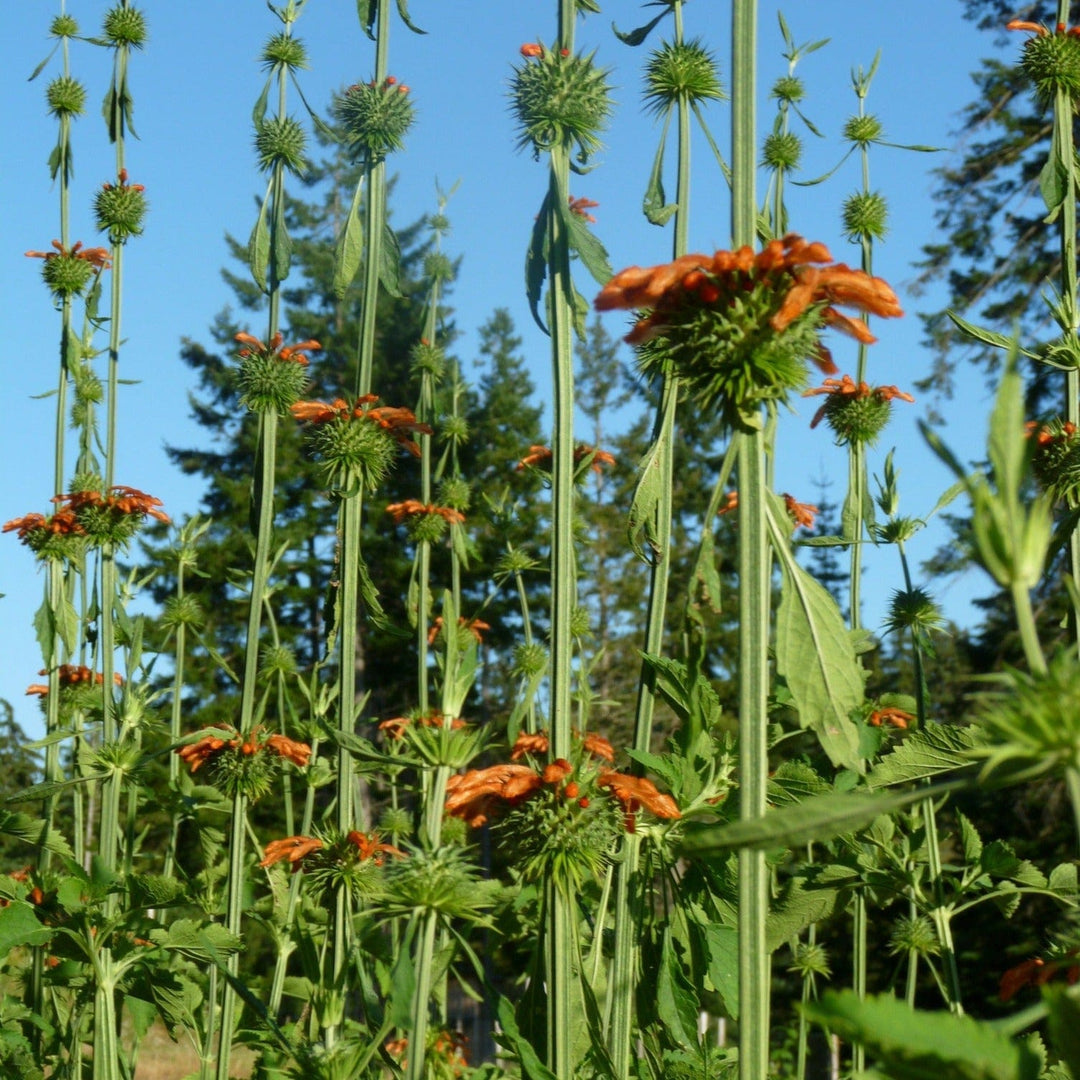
(1036, 972)
(369, 847)
(414, 507)
(525, 743)
(475, 626)
(123, 177)
(396, 726)
(292, 848)
(581, 207)
(120, 499)
(1041, 30)
(636, 792)
(598, 746)
(73, 675)
(802, 513)
(195, 755)
(298, 753)
(1043, 434)
(472, 795)
(62, 523)
(719, 280)
(731, 504)
(557, 771)
(539, 457)
(397, 422)
(889, 714)
(296, 353)
(98, 257)
(531, 49)
(847, 387)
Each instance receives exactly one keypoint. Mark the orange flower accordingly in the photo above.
(98, 257)
(62, 523)
(1040, 30)
(635, 793)
(396, 726)
(121, 500)
(472, 795)
(802, 513)
(73, 675)
(297, 752)
(1044, 434)
(539, 457)
(581, 207)
(398, 422)
(598, 746)
(792, 265)
(124, 183)
(475, 626)
(731, 504)
(889, 714)
(534, 745)
(292, 848)
(369, 847)
(531, 50)
(296, 353)
(195, 755)
(414, 507)
(846, 387)
(1036, 972)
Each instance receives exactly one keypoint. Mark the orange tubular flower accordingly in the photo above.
(475, 626)
(531, 50)
(414, 507)
(396, 726)
(846, 388)
(297, 752)
(534, 745)
(599, 747)
(1041, 31)
(539, 457)
(1036, 972)
(891, 715)
(296, 353)
(801, 513)
(291, 848)
(98, 257)
(731, 504)
(62, 523)
(73, 675)
(195, 755)
(472, 795)
(369, 847)
(121, 500)
(398, 422)
(635, 793)
(536, 457)
(581, 207)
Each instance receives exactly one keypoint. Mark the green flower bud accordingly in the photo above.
(438, 267)
(810, 959)
(788, 89)
(66, 96)
(183, 611)
(560, 101)
(454, 429)
(280, 141)
(530, 660)
(579, 622)
(375, 118)
(429, 359)
(455, 492)
(427, 528)
(396, 822)
(439, 223)
(782, 150)
(682, 72)
(64, 26)
(865, 216)
(516, 561)
(914, 934)
(863, 130)
(125, 27)
(285, 51)
(277, 660)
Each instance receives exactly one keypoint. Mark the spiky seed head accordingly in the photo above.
(685, 71)
(375, 118)
(277, 660)
(280, 141)
(530, 660)
(396, 823)
(1052, 63)
(67, 274)
(863, 130)
(64, 26)
(352, 451)
(66, 96)
(454, 429)
(856, 419)
(428, 359)
(269, 384)
(438, 267)
(125, 27)
(782, 150)
(455, 492)
(560, 101)
(427, 528)
(183, 611)
(788, 89)
(119, 210)
(438, 223)
(865, 216)
(285, 51)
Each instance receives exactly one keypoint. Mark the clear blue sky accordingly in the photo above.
(194, 87)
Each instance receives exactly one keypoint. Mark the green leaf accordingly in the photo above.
(536, 260)
(143, 1013)
(259, 244)
(390, 262)
(403, 11)
(177, 999)
(586, 245)
(350, 247)
(813, 898)
(988, 337)
(532, 1068)
(34, 831)
(676, 1003)
(723, 946)
(1063, 1018)
(19, 926)
(197, 941)
(819, 818)
(693, 701)
(969, 839)
(936, 749)
(636, 37)
(653, 206)
(402, 985)
(915, 1045)
(282, 250)
(815, 656)
(641, 523)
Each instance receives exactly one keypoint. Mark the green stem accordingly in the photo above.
(941, 914)
(858, 1053)
(421, 1001)
(1025, 621)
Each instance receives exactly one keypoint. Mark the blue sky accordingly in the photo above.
(194, 87)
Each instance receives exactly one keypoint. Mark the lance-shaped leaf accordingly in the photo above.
(536, 260)
(815, 655)
(350, 247)
(259, 243)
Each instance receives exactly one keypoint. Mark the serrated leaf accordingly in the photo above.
(806, 901)
(1063, 1019)
(403, 11)
(723, 947)
(34, 831)
(350, 247)
(532, 1068)
(911, 1044)
(933, 751)
(969, 839)
(819, 818)
(676, 1003)
(1063, 879)
(586, 245)
(19, 926)
(197, 941)
(641, 522)
(177, 999)
(815, 656)
(987, 337)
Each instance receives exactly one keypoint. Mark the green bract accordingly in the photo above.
(857, 418)
(119, 210)
(686, 71)
(782, 150)
(865, 216)
(63, 26)
(353, 452)
(863, 130)
(270, 384)
(286, 51)
(375, 118)
(560, 101)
